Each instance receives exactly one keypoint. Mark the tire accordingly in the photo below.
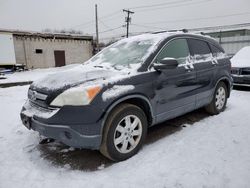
(219, 101)
(125, 124)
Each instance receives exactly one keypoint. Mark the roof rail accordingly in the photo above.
(156, 32)
(174, 30)
(185, 30)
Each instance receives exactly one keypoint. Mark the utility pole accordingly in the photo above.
(128, 19)
(96, 27)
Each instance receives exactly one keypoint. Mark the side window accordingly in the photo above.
(215, 51)
(200, 49)
(177, 49)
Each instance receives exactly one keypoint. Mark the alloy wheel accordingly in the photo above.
(127, 134)
(220, 98)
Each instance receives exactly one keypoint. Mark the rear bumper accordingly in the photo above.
(77, 136)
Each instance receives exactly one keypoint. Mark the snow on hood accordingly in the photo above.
(75, 76)
(241, 58)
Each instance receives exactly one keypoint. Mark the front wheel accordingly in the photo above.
(124, 132)
(219, 101)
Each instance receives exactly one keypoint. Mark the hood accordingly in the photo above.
(241, 58)
(240, 63)
(73, 77)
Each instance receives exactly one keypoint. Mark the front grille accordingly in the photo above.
(37, 98)
(245, 71)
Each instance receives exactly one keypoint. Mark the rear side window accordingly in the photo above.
(177, 48)
(200, 50)
(199, 47)
(215, 51)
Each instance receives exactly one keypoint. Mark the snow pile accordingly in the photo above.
(241, 58)
(116, 90)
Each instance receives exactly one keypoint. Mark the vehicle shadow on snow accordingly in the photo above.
(88, 160)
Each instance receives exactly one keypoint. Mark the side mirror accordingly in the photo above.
(166, 63)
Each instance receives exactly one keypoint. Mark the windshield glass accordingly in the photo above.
(125, 52)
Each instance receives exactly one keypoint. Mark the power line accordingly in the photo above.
(106, 26)
(145, 26)
(160, 4)
(105, 31)
(146, 8)
(91, 22)
(196, 19)
(221, 27)
(174, 6)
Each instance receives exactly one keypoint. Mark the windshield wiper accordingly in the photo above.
(98, 66)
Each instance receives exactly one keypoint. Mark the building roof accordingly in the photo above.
(47, 35)
(230, 33)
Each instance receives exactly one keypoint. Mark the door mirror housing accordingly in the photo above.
(166, 63)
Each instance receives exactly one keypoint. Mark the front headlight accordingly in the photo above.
(76, 96)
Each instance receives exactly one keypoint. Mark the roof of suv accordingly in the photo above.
(163, 35)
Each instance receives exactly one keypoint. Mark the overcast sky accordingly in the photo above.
(150, 15)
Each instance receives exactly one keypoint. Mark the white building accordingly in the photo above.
(43, 50)
(232, 40)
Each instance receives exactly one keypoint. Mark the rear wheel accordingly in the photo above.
(219, 101)
(124, 132)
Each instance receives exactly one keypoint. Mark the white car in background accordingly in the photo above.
(241, 67)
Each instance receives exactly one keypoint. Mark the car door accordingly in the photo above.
(205, 66)
(175, 88)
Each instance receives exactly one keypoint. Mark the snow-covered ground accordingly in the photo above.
(213, 151)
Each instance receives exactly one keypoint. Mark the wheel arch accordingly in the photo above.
(135, 99)
(227, 82)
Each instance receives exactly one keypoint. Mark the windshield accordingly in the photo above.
(125, 52)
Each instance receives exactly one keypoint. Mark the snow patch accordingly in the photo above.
(32, 110)
(115, 91)
(190, 61)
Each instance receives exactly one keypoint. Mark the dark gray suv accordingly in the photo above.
(109, 102)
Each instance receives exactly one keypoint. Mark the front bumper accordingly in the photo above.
(241, 80)
(71, 135)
